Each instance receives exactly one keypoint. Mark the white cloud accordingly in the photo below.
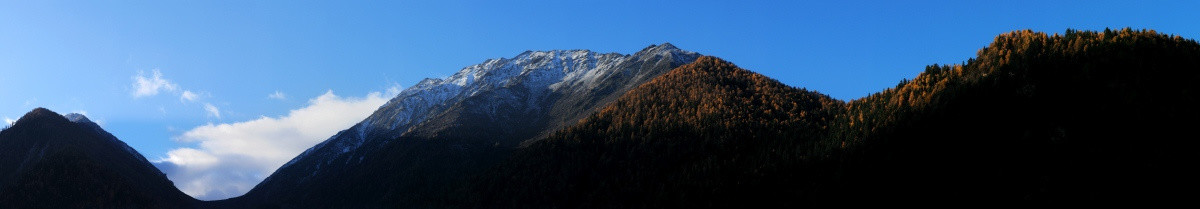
(188, 96)
(149, 86)
(394, 90)
(212, 110)
(9, 121)
(277, 95)
(233, 157)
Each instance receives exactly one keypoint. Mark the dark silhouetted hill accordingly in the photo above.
(49, 161)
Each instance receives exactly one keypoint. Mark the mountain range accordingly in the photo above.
(1035, 118)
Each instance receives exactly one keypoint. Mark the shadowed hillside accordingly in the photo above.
(1079, 116)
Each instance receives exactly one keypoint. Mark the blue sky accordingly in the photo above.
(230, 56)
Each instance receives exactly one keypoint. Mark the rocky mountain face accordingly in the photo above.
(435, 133)
(52, 161)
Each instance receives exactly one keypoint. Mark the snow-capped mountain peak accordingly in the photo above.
(528, 83)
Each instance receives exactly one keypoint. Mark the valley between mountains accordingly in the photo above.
(1081, 116)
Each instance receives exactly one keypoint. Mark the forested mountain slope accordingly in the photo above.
(1074, 117)
(1079, 116)
(701, 134)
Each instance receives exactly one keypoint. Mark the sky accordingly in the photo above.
(221, 93)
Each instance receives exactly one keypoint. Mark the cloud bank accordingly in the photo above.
(233, 157)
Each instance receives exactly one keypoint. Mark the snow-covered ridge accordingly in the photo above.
(538, 72)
